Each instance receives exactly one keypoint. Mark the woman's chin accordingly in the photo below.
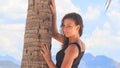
(66, 35)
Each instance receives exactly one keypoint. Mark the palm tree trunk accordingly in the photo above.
(38, 30)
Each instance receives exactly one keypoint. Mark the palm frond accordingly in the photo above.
(108, 4)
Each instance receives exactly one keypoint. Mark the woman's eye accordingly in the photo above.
(66, 26)
(69, 26)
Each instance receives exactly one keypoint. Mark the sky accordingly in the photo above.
(101, 33)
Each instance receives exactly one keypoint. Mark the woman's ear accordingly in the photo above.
(78, 27)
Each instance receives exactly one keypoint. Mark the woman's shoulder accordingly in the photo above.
(72, 50)
(73, 45)
(79, 45)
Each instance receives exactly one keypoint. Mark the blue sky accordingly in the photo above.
(101, 28)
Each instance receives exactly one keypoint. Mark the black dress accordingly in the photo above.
(60, 57)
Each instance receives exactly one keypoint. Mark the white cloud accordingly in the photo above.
(56, 46)
(65, 6)
(103, 42)
(11, 39)
(115, 4)
(114, 12)
(114, 15)
(9, 27)
(99, 37)
(92, 13)
(102, 37)
(13, 9)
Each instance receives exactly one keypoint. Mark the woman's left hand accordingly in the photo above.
(45, 51)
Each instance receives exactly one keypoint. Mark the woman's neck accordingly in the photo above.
(73, 39)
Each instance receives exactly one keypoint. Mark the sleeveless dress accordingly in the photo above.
(60, 56)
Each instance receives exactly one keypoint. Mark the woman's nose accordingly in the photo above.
(65, 29)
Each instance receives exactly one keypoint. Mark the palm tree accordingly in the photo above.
(38, 30)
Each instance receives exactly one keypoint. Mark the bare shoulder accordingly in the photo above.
(72, 50)
(72, 47)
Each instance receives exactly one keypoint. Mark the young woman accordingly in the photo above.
(73, 48)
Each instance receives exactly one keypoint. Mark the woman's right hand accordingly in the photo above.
(52, 7)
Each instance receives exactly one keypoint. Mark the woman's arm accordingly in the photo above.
(70, 54)
(45, 51)
(56, 34)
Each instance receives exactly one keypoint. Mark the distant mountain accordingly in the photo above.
(9, 62)
(88, 61)
(9, 58)
(117, 65)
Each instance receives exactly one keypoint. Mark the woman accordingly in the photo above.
(73, 48)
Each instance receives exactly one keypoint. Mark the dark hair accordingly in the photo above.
(78, 21)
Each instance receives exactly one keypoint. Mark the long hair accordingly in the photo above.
(78, 21)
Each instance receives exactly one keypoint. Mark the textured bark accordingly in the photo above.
(38, 30)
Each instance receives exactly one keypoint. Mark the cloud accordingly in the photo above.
(103, 42)
(92, 13)
(56, 46)
(115, 4)
(65, 6)
(15, 9)
(114, 15)
(11, 39)
(102, 37)
(114, 11)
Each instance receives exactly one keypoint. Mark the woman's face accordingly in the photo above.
(69, 28)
